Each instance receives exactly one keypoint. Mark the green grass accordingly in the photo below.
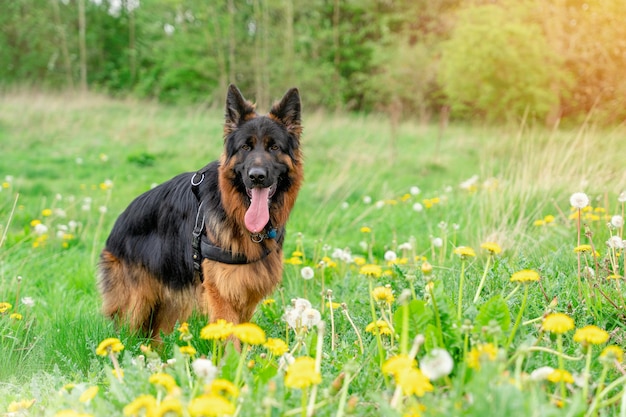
(59, 151)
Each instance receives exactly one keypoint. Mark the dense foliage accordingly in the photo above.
(493, 60)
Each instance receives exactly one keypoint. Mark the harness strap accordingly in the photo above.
(203, 248)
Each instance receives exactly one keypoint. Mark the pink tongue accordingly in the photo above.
(258, 214)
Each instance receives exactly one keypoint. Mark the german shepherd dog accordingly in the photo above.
(211, 239)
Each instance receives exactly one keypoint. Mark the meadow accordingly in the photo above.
(467, 272)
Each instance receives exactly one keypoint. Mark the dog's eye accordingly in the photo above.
(245, 147)
(274, 147)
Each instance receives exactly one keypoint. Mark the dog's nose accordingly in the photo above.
(257, 175)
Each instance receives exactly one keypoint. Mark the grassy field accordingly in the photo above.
(370, 222)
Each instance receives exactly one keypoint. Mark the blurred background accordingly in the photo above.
(488, 60)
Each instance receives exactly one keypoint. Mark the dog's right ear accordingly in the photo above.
(238, 109)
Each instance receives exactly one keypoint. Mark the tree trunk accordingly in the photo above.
(232, 42)
(289, 44)
(132, 52)
(82, 44)
(337, 56)
(67, 63)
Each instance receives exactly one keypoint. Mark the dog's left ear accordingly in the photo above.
(238, 109)
(287, 112)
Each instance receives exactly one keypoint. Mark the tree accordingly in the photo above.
(498, 64)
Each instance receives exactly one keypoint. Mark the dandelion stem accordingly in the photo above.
(356, 330)
(344, 394)
(518, 319)
(578, 253)
(321, 326)
(242, 359)
(482, 279)
(6, 229)
(329, 294)
(586, 374)
(559, 345)
(461, 281)
(116, 365)
(601, 393)
(437, 316)
(381, 352)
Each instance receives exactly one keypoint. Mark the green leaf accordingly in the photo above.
(494, 309)
(419, 318)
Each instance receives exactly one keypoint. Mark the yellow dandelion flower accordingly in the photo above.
(371, 270)
(16, 316)
(329, 263)
(169, 405)
(268, 301)
(223, 387)
(383, 294)
(464, 251)
(277, 347)
(184, 328)
(582, 248)
(35, 222)
(549, 219)
(612, 353)
(405, 197)
(220, 330)
(111, 344)
(5, 306)
(249, 333)
(187, 350)
(46, 212)
(426, 267)
(293, 261)
(210, 406)
(397, 363)
(297, 254)
(557, 323)
(17, 406)
(359, 260)
(492, 247)
(382, 325)
(614, 276)
(333, 305)
(485, 352)
(302, 374)
(117, 374)
(144, 402)
(164, 380)
(366, 229)
(525, 275)
(559, 375)
(413, 381)
(71, 413)
(540, 222)
(6, 184)
(89, 394)
(592, 335)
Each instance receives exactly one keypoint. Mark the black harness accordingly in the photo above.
(203, 248)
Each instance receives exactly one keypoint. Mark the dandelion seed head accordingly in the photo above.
(307, 272)
(615, 242)
(437, 364)
(579, 200)
(617, 221)
(390, 256)
(622, 197)
(367, 199)
(414, 190)
(541, 374)
(437, 242)
(205, 369)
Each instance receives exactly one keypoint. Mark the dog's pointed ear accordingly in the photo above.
(238, 109)
(287, 112)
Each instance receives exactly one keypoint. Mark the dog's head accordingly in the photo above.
(262, 159)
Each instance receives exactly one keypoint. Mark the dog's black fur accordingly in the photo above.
(147, 274)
